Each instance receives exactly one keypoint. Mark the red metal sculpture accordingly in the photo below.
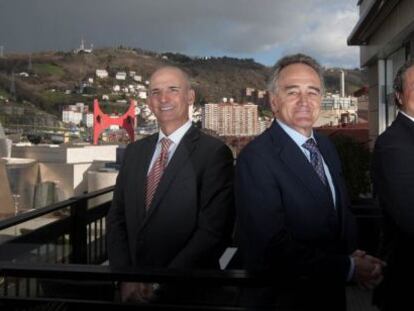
(102, 121)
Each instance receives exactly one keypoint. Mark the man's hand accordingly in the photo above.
(133, 292)
(368, 269)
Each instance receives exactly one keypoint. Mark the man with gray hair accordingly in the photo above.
(292, 201)
(393, 177)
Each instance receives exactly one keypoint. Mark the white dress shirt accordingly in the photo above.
(175, 137)
(299, 140)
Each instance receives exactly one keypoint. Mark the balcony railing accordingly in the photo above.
(54, 258)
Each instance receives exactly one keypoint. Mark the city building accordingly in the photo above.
(231, 119)
(385, 33)
(256, 96)
(83, 49)
(101, 73)
(75, 114)
(337, 110)
(120, 75)
(87, 119)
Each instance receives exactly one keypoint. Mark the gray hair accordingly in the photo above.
(290, 60)
(399, 80)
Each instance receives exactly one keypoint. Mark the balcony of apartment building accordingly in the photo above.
(385, 34)
(55, 258)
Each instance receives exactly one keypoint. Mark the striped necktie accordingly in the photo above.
(315, 159)
(157, 170)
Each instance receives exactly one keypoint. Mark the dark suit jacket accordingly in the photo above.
(393, 176)
(288, 222)
(191, 216)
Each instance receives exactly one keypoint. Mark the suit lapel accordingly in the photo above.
(180, 157)
(296, 161)
(406, 123)
(336, 179)
(333, 168)
(327, 157)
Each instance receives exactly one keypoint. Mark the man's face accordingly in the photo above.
(169, 98)
(298, 97)
(407, 97)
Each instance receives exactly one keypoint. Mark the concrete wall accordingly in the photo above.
(5, 147)
(99, 180)
(6, 206)
(365, 4)
(66, 154)
(70, 178)
(391, 34)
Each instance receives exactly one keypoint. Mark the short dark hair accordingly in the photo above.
(399, 80)
(290, 60)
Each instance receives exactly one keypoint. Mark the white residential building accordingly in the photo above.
(101, 73)
(74, 113)
(121, 75)
(142, 94)
(70, 116)
(87, 119)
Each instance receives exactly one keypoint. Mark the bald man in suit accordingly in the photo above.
(173, 201)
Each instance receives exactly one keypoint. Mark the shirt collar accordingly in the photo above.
(178, 134)
(409, 117)
(297, 137)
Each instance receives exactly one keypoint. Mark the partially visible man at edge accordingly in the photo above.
(393, 177)
(173, 204)
(292, 203)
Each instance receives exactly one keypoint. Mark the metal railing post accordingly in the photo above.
(78, 235)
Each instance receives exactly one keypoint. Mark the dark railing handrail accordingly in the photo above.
(15, 220)
(235, 277)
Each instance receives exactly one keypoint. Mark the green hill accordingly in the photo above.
(54, 74)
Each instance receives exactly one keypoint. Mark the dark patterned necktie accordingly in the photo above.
(157, 170)
(315, 159)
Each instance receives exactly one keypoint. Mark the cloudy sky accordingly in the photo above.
(260, 29)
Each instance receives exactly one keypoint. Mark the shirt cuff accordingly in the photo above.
(351, 269)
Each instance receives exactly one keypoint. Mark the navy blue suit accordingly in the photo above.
(393, 177)
(288, 222)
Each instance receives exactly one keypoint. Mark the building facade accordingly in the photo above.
(385, 33)
(231, 119)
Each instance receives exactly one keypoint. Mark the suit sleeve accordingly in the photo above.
(393, 174)
(116, 231)
(265, 240)
(216, 212)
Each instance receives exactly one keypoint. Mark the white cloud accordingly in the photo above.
(328, 38)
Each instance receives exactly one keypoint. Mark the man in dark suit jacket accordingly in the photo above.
(393, 176)
(292, 203)
(187, 221)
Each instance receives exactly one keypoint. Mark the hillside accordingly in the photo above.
(55, 77)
